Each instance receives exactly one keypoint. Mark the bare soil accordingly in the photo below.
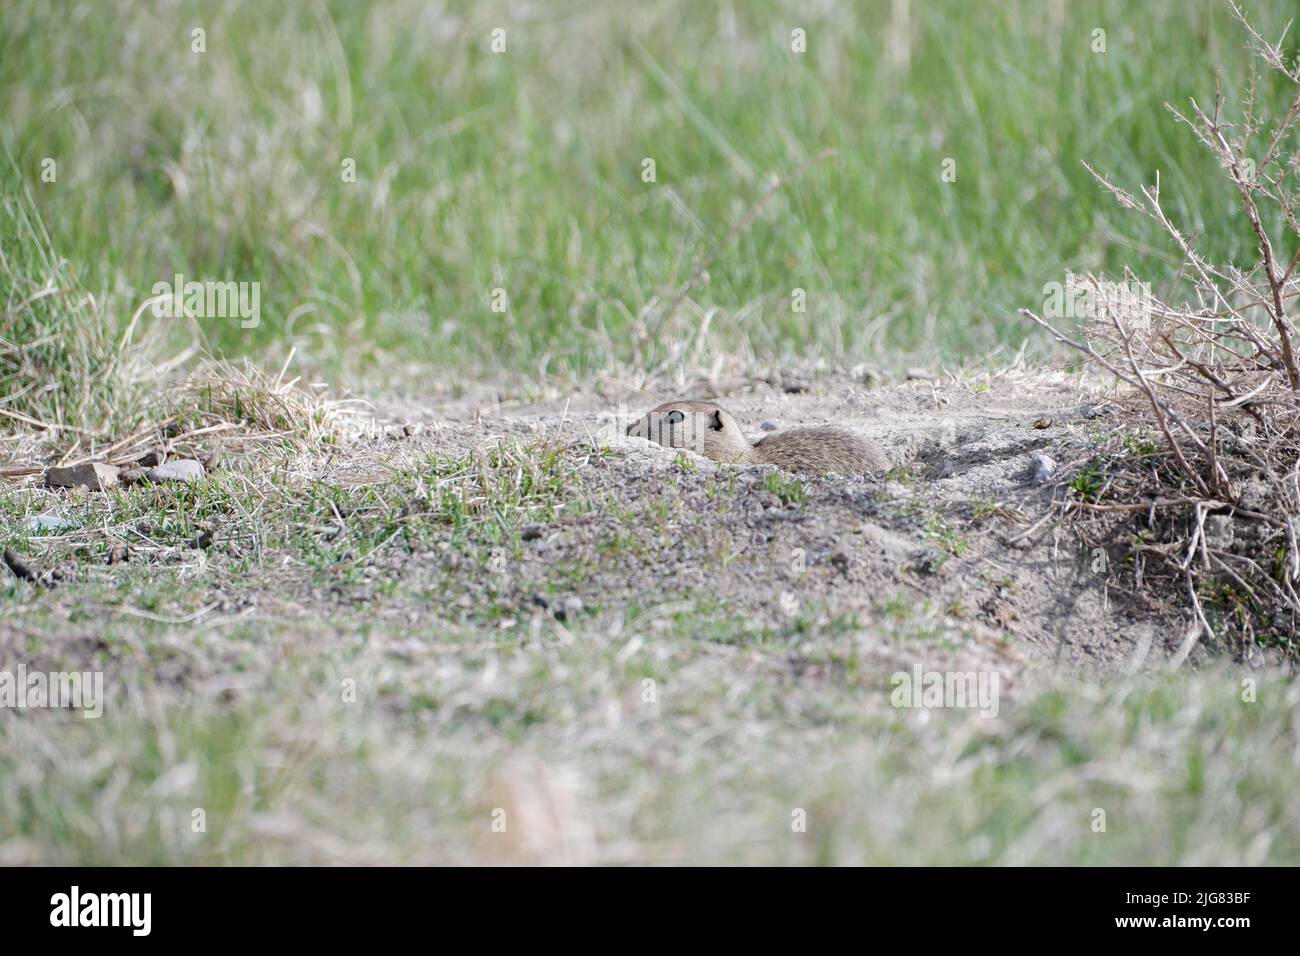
(952, 532)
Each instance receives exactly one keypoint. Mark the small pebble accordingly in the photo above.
(178, 469)
(94, 475)
(1044, 467)
(44, 523)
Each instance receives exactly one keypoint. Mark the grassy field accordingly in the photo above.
(342, 676)
(345, 645)
(522, 170)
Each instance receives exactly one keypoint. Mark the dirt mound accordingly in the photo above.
(944, 555)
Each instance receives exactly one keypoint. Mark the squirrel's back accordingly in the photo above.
(820, 450)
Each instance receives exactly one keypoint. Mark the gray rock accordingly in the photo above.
(771, 425)
(1043, 468)
(40, 524)
(180, 469)
(92, 474)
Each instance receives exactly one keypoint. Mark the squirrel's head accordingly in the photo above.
(701, 427)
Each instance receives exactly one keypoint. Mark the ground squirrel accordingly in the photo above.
(709, 430)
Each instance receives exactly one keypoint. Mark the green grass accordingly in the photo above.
(672, 723)
(58, 358)
(317, 560)
(522, 170)
(790, 491)
(410, 771)
(934, 528)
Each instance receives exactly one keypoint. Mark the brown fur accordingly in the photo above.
(707, 429)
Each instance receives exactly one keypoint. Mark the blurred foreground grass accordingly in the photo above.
(283, 766)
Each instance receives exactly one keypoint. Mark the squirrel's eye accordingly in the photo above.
(674, 417)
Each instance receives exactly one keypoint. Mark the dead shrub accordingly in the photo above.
(1212, 504)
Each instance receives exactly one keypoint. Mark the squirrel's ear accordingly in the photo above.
(715, 421)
